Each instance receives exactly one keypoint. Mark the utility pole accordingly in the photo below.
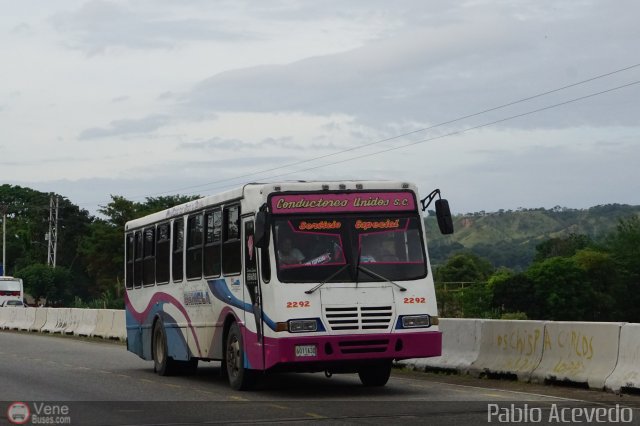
(53, 230)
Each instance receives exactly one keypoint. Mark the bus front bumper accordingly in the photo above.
(332, 349)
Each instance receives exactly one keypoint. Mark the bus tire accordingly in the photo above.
(375, 374)
(240, 378)
(162, 363)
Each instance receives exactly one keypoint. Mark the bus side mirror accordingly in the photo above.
(261, 233)
(445, 221)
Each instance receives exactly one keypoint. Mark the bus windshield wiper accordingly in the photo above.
(373, 274)
(328, 279)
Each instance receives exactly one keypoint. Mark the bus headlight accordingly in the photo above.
(415, 321)
(303, 326)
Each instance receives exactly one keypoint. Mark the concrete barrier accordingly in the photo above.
(18, 318)
(626, 374)
(104, 323)
(10, 320)
(512, 348)
(29, 319)
(74, 321)
(52, 320)
(88, 323)
(41, 319)
(579, 352)
(5, 314)
(119, 328)
(64, 316)
(460, 346)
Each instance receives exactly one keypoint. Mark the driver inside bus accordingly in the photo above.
(288, 254)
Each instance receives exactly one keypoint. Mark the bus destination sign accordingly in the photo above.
(341, 203)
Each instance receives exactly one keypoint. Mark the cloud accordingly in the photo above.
(126, 127)
(120, 99)
(221, 144)
(436, 73)
(99, 25)
(22, 29)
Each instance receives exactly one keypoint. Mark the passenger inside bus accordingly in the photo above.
(379, 247)
(288, 254)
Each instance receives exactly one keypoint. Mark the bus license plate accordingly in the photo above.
(306, 350)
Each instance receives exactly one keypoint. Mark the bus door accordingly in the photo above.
(253, 286)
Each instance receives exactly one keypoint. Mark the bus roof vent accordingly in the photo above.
(342, 186)
(277, 188)
(325, 187)
(358, 186)
(405, 186)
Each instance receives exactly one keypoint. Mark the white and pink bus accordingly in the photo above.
(291, 276)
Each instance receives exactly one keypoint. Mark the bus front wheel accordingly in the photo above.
(162, 364)
(240, 378)
(375, 374)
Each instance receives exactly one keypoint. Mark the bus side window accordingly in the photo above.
(149, 256)
(231, 248)
(163, 253)
(195, 229)
(130, 252)
(137, 264)
(212, 240)
(178, 250)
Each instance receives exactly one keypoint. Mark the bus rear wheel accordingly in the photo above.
(375, 374)
(162, 363)
(240, 378)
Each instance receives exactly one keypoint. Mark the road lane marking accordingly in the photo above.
(495, 395)
(282, 407)
(316, 416)
(171, 385)
(238, 398)
(478, 388)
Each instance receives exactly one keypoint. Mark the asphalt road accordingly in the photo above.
(100, 383)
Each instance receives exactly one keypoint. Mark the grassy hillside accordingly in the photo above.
(508, 238)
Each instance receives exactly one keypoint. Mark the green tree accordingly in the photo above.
(512, 292)
(476, 301)
(472, 299)
(561, 247)
(624, 246)
(561, 290)
(603, 281)
(28, 222)
(464, 267)
(46, 283)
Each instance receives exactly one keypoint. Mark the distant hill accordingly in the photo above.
(508, 238)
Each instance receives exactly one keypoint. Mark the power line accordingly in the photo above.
(296, 163)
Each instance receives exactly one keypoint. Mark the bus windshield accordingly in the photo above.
(310, 249)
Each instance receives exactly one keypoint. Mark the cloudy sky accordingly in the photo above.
(157, 97)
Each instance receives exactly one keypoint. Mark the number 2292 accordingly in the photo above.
(300, 304)
(415, 300)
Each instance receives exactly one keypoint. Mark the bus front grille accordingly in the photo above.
(345, 318)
